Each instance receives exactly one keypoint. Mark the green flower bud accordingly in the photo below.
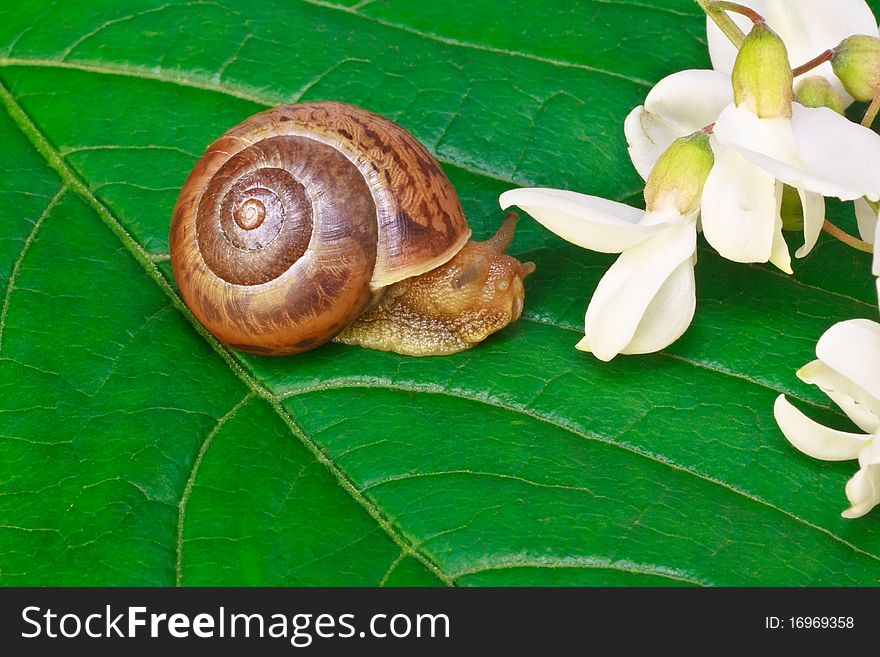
(762, 75)
(816, 91)
(856, 62)
(792, 211)
(679, 175)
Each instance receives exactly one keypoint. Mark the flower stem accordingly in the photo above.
(737, 8)
(724, 22)
(871, 112)
(813, 63)
(846, 238)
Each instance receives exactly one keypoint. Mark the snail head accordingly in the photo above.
(479, 291)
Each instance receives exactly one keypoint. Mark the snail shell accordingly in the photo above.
(292, 221)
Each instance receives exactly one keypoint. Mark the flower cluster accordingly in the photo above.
(741, 153)
(767, 140)
(848, 371)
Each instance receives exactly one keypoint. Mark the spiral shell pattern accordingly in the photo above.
(291, 221)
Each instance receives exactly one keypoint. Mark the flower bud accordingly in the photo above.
(856, 62)
(762, 75)
(678, 177)
(816, 91)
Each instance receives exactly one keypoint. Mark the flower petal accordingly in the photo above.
(853, 349)
(837, 150)
(739, 208)
(678, 105)
(774, 138)
(587, 221)
(833, 156)
(813, 206)
(808, 27)
(866, 218)
(669, 314)
(816, 439)
(875, 267)
(622, 303)
(779, 254)
(858, 405)
(863, 490)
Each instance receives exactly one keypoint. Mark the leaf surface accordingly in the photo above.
(136, 450)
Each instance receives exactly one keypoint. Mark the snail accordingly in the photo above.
(322, 221)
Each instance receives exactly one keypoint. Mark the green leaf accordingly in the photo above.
(136, 450)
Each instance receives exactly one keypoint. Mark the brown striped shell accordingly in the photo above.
(292, 220)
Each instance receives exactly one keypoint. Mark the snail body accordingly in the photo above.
(316, 221)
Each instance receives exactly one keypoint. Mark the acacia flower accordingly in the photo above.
(767, 140)
(875, 269)
(808, 28)
(869, 231)
(689, 100)
(848, 371)
(741, 216)
(646, 300)
(866, 217)
(678, 105)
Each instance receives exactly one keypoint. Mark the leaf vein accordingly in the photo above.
(559, 63)
(121, 19)
(586, 435)
(191, 480)
(475, 473)
(142, 72)
(10, 284)
(528, 317)
(517, 561)
(391, 568)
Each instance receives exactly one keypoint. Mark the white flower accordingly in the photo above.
(848, 371)
(875, 268)
(690, 100)
(866, 217)
(767, 141)
(816, 151)
(761, 141)
(869, 231)
(808, 28)
(646, 300)
(678, 105)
